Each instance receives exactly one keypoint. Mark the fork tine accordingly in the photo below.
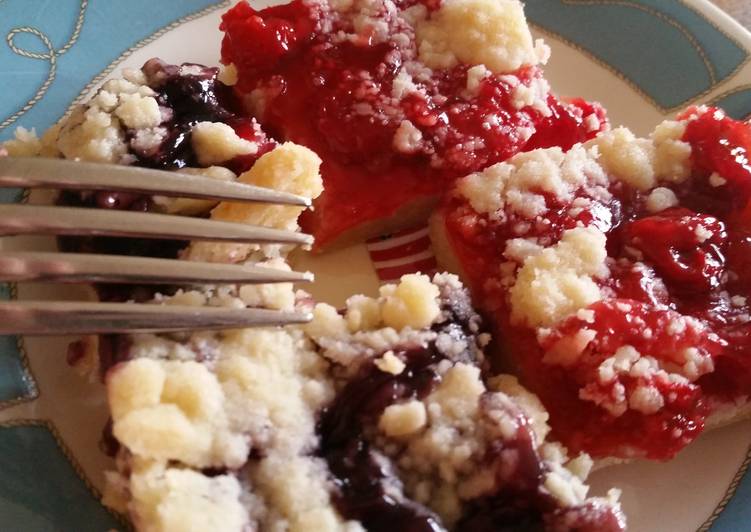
(36, 219)
(85, 268)
(47, 317)
(34, 172)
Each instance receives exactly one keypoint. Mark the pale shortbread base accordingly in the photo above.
(411, 214)
(442, 249)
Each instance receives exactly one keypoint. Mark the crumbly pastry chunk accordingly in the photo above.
(396, 104)
(467, 31)
(162, 116)
(615, 268)
(289, 168)
(174, 117)
(383, 415)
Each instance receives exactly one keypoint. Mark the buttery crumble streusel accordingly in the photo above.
(382, 416)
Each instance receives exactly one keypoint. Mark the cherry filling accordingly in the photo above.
(341, 97)
(630, 397)
(720, 145)
(638, 372)
(685, 248)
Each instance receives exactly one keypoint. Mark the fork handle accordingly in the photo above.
(34, 172)
(57, 318)
(19, 266)
(38, 219)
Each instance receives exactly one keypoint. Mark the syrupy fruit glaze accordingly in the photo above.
(368, 489)
(334, 95)
(696, 263)
(363, 476)
(187, 94)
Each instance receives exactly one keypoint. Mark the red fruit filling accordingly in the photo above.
(629, 397)
(345, 98)
(637, 373)
(684, 247)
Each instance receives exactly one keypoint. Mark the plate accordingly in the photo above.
(643, 59)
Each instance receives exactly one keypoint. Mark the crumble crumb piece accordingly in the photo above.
(407, 138)
(477, 32)
(403, 419)
(215, 143)
(390, 363)
(170, 499)
(288, 168)
(138, 111)
(559, 281)
(661, 198)
(412, 303)
(475, 75)
(716, 180)
(627, 157)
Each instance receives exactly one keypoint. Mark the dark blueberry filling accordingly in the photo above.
(368, 490)
(108, 444)
(363, 477)
(187, 94)
(192, 94)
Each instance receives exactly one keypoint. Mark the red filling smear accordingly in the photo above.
(679, 279)
(597, 424)
(335, 96)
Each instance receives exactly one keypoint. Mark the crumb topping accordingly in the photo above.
(558, 281)
(466, 31)
(215, 143)
(248, 427)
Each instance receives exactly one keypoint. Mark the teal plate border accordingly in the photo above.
(53, 51)
(678, 56)
(55, 48)
(30, 451)
(737, 102)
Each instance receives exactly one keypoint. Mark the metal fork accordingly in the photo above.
(47, 317)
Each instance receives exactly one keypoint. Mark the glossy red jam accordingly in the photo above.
(677, 294)
(304, 82)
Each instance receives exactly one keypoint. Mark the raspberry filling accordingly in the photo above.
(385, 142)
(637, 372)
